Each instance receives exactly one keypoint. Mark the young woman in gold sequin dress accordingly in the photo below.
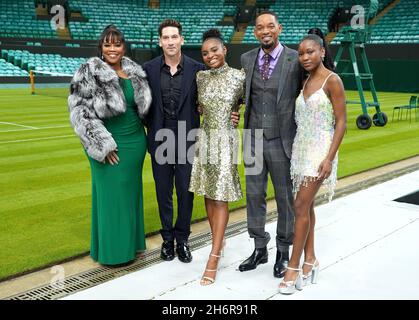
(320, 115)
(214, 171)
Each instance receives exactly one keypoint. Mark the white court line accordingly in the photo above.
(40, 128)
(19, 125)
(37, 139)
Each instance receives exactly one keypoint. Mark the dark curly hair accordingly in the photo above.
(212, 34)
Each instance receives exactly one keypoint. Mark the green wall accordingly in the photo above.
(390, 76)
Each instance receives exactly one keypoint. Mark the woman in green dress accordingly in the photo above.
(109, 97)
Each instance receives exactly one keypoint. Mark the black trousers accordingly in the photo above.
(166, 176)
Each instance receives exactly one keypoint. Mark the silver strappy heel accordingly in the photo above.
(293, 285)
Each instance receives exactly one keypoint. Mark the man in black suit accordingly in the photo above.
(171, 77)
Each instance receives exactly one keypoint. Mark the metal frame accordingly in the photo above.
(357, 39)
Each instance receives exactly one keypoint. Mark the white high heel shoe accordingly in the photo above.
(205, 280)
(313, 274)
(293, 285)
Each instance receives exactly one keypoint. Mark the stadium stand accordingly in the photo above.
(290, 13)
(54, 63)
(140, 23)
(18, 19)
(26, 33)
(399, 25)
(136, 19)
(7, 69)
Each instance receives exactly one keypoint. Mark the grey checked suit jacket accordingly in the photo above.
(289, 87)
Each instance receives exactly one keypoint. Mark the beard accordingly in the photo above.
(268, 46)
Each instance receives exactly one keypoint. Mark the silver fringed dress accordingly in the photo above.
(315, 129)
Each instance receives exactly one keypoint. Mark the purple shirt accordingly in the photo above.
(275, 53)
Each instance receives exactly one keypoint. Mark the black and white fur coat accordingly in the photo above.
(95, 95)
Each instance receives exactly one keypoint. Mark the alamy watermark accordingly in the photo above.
(358, 20)
(58, 20)
(211, 146)
(57, 281)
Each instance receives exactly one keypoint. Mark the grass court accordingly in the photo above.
(45, 176)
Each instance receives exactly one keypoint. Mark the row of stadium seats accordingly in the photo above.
(134, 17)
(18, 20)
(399, 25)
(54, 63)
(140, 23)
(149, 40)
(7, 69)
(297, 17)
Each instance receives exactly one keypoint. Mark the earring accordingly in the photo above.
(323, 58)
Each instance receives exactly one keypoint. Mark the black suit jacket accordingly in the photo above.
(187, 110)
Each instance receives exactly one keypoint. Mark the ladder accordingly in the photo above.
(356, 39)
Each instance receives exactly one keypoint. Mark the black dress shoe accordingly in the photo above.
(260, 255)
(183, 252)
(167, 250)
(281, 264)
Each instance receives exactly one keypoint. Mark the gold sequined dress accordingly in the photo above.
(214, 171)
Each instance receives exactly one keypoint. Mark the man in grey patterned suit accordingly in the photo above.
(273, 82)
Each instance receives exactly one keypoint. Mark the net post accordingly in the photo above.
(32, 80)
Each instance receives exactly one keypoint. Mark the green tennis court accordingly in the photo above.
(45, 178)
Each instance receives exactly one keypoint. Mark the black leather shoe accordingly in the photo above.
(281, 264)
(183, 252)
(167, 250)
(259, 256)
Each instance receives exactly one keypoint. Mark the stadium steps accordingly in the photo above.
(383, 12)
(64, 33)
(41, 11)
(154, 4)
(330, 36)
(238, 35)
(250, 2)
(229, 19)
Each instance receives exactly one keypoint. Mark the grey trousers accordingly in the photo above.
(274, 161)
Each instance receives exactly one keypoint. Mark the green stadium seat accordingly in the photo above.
(399, 25)
(26, 61)
(140, 23)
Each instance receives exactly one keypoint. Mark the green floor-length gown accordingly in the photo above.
(117, 192)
